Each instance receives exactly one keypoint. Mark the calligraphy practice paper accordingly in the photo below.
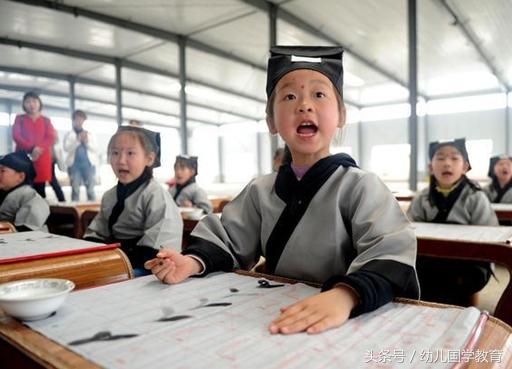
(221, 321)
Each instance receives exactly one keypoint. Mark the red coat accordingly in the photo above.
(27, 134)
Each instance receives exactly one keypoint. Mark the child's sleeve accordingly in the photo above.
(416, 213)
(163, 225)
(233, 240)
(32, 214)
(481, 210)
(98, 229)
(384, 243)
(201, 201)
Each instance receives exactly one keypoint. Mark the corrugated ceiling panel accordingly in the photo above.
(247, 37)
(235, 76)
(184, 17)
(490, 22)
(33, 59)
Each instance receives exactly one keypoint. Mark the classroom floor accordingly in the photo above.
(492, 292)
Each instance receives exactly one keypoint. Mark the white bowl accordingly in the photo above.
(33, 299)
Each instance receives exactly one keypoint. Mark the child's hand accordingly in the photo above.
(187, 204)
(317, 313)
(172, 267)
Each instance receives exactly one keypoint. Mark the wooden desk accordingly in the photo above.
(7, 227)
(65, 219)
(449, 247)
(503, 212)
(24, 348)
(86, 270)
(218, 203)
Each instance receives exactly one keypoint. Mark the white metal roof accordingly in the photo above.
(227, 47)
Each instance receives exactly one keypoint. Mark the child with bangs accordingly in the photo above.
(184, 189)
(138, 213)
(451, 198)
(313, 219)
(20, 204)
(500, 172)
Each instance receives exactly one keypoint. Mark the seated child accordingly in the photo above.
(451, 198)
(185, 190)
(500, 172)
(20, 204)
(138, 213)
(320, 218)
(277, 159)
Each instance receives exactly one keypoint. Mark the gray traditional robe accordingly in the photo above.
(351, 221)
(492, 194)
(195, 194)
(149, 213)
(24, 207)
(472, 207)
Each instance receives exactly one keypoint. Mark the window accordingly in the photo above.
(204, 144)
(479, 152)
(391, 162)
(239, 152)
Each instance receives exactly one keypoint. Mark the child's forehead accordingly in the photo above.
(127, 139)
(5, 167)
(504, 161)
(448, 149)
(303, 76)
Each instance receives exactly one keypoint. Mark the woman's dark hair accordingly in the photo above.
(31, 95)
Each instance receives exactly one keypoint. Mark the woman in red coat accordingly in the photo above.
(34, 134)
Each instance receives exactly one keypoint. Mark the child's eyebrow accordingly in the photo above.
(313, 81)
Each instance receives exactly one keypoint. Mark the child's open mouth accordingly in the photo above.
(307, 129)
(446, 173)
(123, 171)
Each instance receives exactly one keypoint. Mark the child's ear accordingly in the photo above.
(466, 167)
(430, 169)
(343, 117)
(150, 159)
(271, 126)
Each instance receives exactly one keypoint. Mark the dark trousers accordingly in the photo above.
(451, 281)
(40, 187)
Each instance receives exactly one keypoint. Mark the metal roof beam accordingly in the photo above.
(301, 24)
(100, 115)
(48, 92)
(470, 35)
(137, 27)
(82, 80)
(126, 63)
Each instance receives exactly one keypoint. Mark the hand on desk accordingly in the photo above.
(172, 267)
(317, 313)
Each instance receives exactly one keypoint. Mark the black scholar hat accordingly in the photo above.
(324, 59)
(20, 162)
(459, 144)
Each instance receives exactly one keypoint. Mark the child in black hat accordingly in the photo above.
(185, 190)
(451, 198)
(319, 218)
(137, 212)
(20, 204)
(500, 172)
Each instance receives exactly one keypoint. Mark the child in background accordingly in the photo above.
(20, 204)
(138, 212)
(185, 190)
(500, 172)
(451, 198)
(277, 160)
(320, 218)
